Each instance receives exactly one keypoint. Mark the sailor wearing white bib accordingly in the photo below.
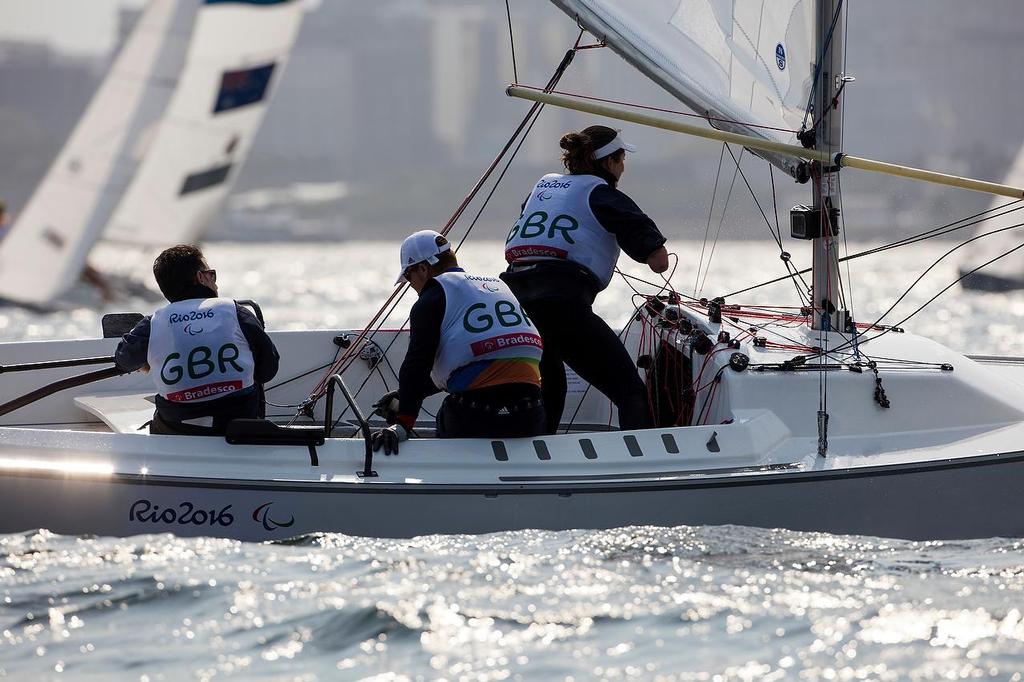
(207, 355)
(562, 252)
(198, 351)
(558, 224)
(470, 337)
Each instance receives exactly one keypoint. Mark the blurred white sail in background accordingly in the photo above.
(152, 159)
(237, 55)
(1008, 272)
(747, 62)
(46, 248)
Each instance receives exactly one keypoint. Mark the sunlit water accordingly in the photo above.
(706, 603)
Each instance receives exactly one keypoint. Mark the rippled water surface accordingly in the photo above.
(705, 603)
(682, 603)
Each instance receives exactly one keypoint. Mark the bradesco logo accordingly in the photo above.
(514, 253)
(496, 343)
(213, 390)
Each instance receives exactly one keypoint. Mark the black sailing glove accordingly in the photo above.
(387, 406)
(389, 439)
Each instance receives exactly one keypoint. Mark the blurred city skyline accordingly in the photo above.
(400, 104)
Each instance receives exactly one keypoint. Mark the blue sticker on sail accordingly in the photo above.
(780, 57)
(242, 88)
(203, 179)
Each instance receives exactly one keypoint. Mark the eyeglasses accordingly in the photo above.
(405, 273)
(212, 274)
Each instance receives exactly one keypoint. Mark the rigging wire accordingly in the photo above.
(476, 218)
(511, 41)
(929, 269)
(839, 177)
(348, 357)
(707, 228)
(776, 237)
(932, 233)
(721, 219)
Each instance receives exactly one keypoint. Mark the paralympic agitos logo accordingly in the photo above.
(262, 515)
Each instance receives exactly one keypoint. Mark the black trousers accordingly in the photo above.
(507, 411)
(573, 334)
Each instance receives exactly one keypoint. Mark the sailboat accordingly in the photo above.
(800, 418)
(157, 149)
(1005, 273)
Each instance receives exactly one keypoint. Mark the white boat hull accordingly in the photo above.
(944, 462)
(977, 497)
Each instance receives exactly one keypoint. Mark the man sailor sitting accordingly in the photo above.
(208, 355)
(470, 337)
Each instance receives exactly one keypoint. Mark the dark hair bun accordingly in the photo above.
(574, 142)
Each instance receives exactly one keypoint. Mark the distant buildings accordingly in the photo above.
(42, 94)
(404, 101)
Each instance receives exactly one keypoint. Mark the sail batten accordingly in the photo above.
(747, 63)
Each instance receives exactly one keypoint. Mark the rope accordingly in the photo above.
(352, 352)
(476, 218)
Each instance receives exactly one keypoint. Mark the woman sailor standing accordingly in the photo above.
(562, 252)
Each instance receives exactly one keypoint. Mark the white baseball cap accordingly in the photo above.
(425, 245)
(615, 145)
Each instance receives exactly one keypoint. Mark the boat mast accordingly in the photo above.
(825, 177)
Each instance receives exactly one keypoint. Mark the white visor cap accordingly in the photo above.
(615, 145)
(425, 245)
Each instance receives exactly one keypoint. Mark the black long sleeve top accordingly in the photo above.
(414, 382)
(637, 235)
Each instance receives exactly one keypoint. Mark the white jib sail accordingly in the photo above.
(237, 55)
(45, 250)
(747, 62)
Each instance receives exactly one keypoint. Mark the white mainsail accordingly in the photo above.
(45, 250)
(747, 63)
(236, 57)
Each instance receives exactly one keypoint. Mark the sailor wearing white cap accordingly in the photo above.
(562, 252)
(468, 336)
